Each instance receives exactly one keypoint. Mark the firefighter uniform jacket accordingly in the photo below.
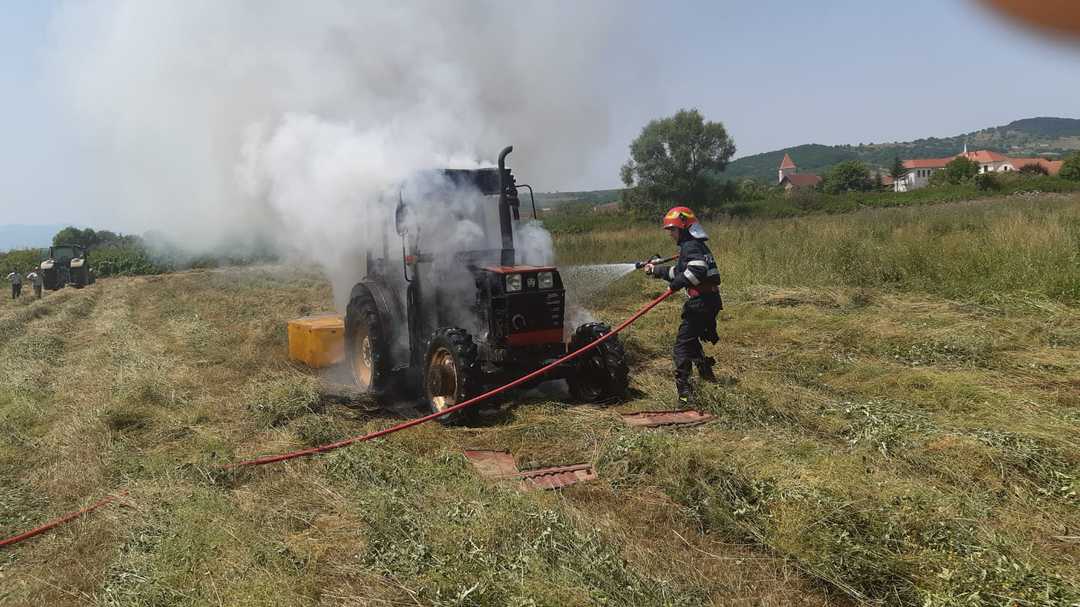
(695, 269)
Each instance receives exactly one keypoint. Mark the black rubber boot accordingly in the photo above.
(685, 391)
(705, 366)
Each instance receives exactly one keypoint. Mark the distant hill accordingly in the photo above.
(1028, 137)
(20, 236)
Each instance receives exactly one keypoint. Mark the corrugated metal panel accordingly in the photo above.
(651, 419)
(557, 477)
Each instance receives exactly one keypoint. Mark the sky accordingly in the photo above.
(776, 73)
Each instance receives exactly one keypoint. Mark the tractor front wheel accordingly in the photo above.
(366, 345)
(450, 372)
(601, 375)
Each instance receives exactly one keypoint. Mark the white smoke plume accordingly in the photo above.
(217, 123)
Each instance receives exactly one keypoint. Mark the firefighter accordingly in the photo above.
(695, 271)
(35, 281)
(16, 284)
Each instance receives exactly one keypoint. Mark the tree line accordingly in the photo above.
(115, 254)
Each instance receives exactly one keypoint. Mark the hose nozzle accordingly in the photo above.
(656, 259)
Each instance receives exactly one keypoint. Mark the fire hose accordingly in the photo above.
(15, 539)
(281, 457)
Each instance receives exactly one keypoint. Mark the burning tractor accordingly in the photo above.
(451, 310)
(67, 264)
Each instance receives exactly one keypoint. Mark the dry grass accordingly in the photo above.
(875, 444)
(165, 377)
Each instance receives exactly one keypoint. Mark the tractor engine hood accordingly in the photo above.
(527, 304)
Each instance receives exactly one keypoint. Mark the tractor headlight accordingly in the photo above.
(547, 280)
(513, 282)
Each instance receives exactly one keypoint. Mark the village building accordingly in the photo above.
(921, 169)
(1052, 167)
(790, 178)
(918, 173)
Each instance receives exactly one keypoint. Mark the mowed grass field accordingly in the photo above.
(897, 425)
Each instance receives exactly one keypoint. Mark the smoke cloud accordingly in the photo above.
(225, 123)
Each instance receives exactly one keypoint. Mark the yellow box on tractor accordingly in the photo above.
(317, 341)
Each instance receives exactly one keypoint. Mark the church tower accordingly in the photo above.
(787, 167)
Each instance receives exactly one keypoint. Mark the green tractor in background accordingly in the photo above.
(67, 264)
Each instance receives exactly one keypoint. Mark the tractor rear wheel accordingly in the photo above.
(601, 375)
(366, 344)
(451, 372)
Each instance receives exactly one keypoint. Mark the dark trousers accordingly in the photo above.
(698, 323)
(37, 291)
(16, 290)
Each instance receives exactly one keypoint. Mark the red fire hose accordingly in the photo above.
(269, 459)
(60, 521)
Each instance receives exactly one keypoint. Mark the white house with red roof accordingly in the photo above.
(920, 169)
(790, 178)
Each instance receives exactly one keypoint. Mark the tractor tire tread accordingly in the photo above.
(617, 381)
(465, 351)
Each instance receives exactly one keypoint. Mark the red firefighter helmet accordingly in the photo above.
(679, 217)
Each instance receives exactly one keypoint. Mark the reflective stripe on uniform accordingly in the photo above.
(697, 262)
(690, 276)
(671, 273)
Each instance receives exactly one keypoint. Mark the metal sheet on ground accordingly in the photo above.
(652, 419)
(500, 465)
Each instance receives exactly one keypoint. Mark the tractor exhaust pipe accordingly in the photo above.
(505, 225)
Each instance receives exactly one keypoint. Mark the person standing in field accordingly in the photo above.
(36, 281)
(696, 271)
(16, 284)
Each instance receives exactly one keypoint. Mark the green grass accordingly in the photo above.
(977, 250)
(897, 426)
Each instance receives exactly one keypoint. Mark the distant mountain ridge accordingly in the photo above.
(15, 236)
(1045, 136)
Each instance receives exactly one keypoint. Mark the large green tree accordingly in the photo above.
(89, 238)
(1070, 169)
(961, 170)
(72, 235)
(678, 159)
(848, 176)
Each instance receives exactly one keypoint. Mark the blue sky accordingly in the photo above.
(776, 73)
(784, 73)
